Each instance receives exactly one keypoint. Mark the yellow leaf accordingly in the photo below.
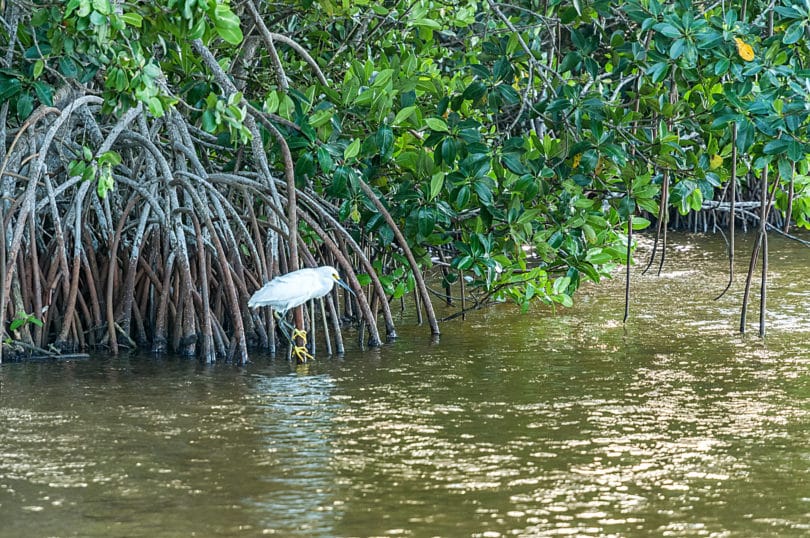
(575, 162)
(715, 162)
(744, 50)
(355, 214)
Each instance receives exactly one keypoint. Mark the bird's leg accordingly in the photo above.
(285, 326)
(300, 352)
(291, 332)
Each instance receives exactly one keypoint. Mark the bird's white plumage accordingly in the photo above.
(295, 288)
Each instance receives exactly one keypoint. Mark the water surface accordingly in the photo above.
(513, 425)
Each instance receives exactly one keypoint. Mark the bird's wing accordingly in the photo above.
(280, 293)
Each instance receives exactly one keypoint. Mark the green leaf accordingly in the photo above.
(463, 197)
(437, 124)
(325, 160)
(227, 24)
(404, 114)
(71, 7)
(696, 200)
(286, 107)
(463, 262)
(474, 91)
(39, 66)
(785, 169)
(475, 165)
(627, 206)
(111, 158)
(426, 222)
(745, 134)
(385, 141)
(382, 78)
(41, 51)
(598, 256)
(25, 105)
(449, 151)
(305, 166)
(155, 107)
(508, 94)
(789, 12)
(340, 182)
(102, 6)
(426, 23)
(708, 39)
(667, 29)
(99, 20)
(106, 183)
(76, 168)
(794, 32)
(352, 150)
(321, 118)
(271, 102)
(658, 71)
(44, 93)
(209, 121)
(640, 223)
(9, 87)
(529, 216)
(68, 67)
(796, 151)
(513, 163)
(436, 184)
(722, 119)
(721, 66)
(775, 147)
(132, 19)
(590, 233)
(198, 30)
(84, 8)
(676, 49)
(561, 285)
(89, 172)
(484, 192)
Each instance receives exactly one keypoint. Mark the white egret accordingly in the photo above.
(287, 291)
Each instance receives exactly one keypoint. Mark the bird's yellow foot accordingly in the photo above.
(299, 333)
(301, 353)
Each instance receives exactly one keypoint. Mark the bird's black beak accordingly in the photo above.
(343, 285)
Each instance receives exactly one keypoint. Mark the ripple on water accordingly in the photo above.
(570, 424)
(33, 450)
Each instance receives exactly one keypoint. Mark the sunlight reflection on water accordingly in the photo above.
(514, 425)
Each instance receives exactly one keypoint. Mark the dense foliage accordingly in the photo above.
(511, 142)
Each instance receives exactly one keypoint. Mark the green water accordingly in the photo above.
(513, 425)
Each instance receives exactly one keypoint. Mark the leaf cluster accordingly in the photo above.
(519, 141)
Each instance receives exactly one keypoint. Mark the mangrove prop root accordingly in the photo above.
(169, 257)
(731, 215)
